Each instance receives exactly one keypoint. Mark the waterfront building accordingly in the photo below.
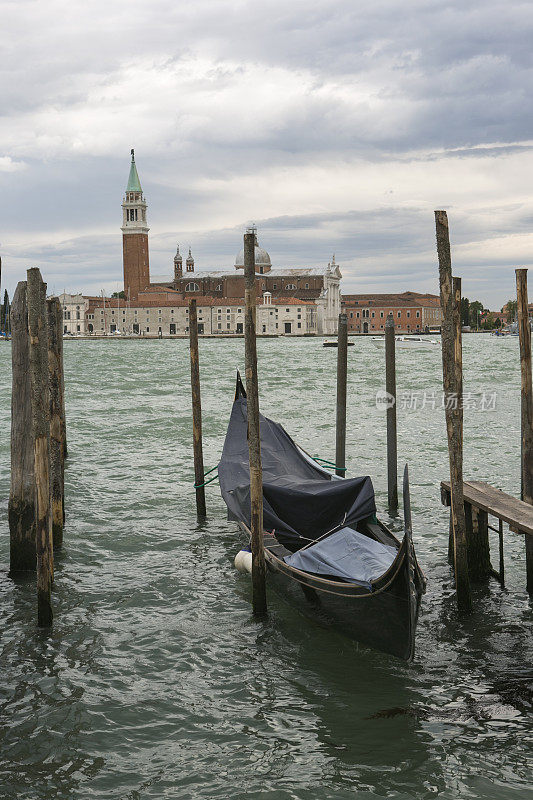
(315, 284)
(412, 312)
(74, 308)
(152, 318)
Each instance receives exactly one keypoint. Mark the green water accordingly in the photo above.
(156, 682)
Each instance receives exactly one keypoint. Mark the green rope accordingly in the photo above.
(199, 485)
(330, 464)
(210, 470)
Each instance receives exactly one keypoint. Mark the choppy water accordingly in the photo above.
(157, 683)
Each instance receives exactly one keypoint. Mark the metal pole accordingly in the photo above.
(196, 411)
(342, 375)
(526, 409)
(259, 603)
(392, 443)
(451, 371)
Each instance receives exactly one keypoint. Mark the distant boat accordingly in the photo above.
(407, 342)
(333, 343)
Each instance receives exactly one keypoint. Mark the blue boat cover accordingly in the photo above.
(301, 502)
(345, 554)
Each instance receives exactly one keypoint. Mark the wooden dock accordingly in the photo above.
(481, 501)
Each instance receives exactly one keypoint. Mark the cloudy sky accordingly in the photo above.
(337, 126)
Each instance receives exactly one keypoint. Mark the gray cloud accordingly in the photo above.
(338, 126)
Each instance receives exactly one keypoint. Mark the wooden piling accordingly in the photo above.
(451, 371)
(196, 411)
(342, 377)
(40, 410)
(526, 409)
(57, 475)
(259, 603)
(392, 442)
(21, 507)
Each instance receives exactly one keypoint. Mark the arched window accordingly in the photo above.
(291, 286)
(192, 287)
(219, 288)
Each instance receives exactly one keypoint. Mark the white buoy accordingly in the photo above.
(243, 561)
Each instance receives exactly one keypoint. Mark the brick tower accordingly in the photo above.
(134, 236)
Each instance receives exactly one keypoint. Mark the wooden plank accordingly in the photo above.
(497, 503)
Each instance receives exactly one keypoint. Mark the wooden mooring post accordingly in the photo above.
(199, 477)
(392, 441)
(342, 377)
(40, 413)
(452, 384)
(57, 424)
(526, 409)
(259, 603)
(21, 507)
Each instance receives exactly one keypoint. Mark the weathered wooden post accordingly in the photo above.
(526, 409)
(259, 603)
(57, 475)
(451, 370)
(342, 377)
(21, 508)
(196, 411)
(392, 443)
(40, 411)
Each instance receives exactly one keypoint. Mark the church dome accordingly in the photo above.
(262, 259)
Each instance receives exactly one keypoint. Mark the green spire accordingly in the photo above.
(134, 184)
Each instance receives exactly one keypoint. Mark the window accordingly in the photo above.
(275, 286)
(228, 326)
(239, 311)
(291, 286)
(219, 325)
(192, 287)
(373, 314)
(381, 315)
(357, 314)
(351, 315)
(299, 310)
(147, 330)
(307, 286)
(299, 316)
(399, 314)
(418, 313)
(299, 324)
(408, 314)
(218, 288)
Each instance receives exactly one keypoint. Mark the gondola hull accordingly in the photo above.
(384, 618)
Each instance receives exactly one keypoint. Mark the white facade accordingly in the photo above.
(284, 319)
(74, 308)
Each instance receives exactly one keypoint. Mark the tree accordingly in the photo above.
(511, 308)
(4, 314)
(497, 322)
(119, 294)
(465, 311)
(475, 310)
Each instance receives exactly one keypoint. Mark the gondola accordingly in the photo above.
(325, 550)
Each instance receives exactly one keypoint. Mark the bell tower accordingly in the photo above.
(134, 236)
(178, 265)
